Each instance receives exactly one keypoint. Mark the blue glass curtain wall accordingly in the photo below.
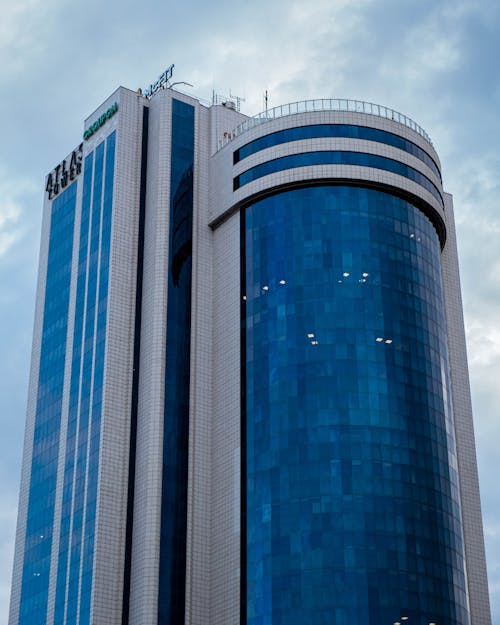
(78, 513)
(172, 575)
(352, 503)
(75, 564)
(38, 541)
(74, 394)
(350, 131)
(336, 158)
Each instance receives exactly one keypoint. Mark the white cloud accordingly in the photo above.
(484, 342)
(10, 230)
(429, 50)
(13, 193)
(24, 35)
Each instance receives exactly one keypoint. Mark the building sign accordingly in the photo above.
(101, 121)
(162, 80)
(64, 173)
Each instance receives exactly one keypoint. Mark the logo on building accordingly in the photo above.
(101, 121)
(63, 174)
(162, 80)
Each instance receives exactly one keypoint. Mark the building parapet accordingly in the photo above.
(326, 104)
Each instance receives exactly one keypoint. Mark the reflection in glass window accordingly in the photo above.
(177, 368)
(38, 541)
(350, 131)
(351, 483)
(336, 158)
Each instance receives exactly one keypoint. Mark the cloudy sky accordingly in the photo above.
(434, 60)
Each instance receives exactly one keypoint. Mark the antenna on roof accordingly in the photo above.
(266, 99)
(237, 99)
(231, 101)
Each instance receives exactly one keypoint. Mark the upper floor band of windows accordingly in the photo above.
(350, 131)
(336, 158)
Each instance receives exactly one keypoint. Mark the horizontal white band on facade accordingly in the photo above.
(228, 202)
(332, 117)
(322, 144)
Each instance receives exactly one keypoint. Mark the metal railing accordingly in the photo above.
(326, 104)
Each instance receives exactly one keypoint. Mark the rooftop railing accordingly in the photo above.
(326, 104)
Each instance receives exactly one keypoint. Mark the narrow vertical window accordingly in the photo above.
(172, 578)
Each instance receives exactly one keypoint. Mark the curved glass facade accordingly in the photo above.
(351, 131)
(337, 157)
(350, 471)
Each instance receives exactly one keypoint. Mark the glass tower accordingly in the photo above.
(351, 467)
(249, 396)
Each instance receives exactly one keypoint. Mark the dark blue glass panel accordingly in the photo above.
(38, 542)
(335, 130)
(74, 390)
(172, 576)
(96, 410)
(351, 480)
(84, 415)
(83, 436)
(336, 158)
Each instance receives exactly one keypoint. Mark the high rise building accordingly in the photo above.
(249, 398)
